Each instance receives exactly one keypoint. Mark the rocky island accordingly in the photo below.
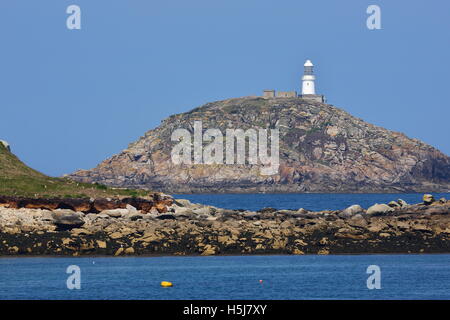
(321, 148)
(161, 225)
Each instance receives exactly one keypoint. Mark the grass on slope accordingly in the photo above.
(17, 179)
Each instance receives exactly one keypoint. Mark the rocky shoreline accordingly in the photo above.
(161, 225)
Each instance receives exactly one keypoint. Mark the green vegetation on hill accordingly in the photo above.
(17, 179)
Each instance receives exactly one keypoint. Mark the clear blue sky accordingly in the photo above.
(71, 98)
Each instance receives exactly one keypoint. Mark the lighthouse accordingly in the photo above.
(308, 87)
(308, 79)
(308, 83)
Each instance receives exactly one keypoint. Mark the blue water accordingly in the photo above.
(309, 201)
(237, 277)
(228, 277)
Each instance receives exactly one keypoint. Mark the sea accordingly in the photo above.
(266, 277)
(228, 277)
(309, 201)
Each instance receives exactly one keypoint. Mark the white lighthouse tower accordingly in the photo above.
(308, 85)
(308, 79)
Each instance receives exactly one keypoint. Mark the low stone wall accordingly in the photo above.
(286, 94)
(314, 97)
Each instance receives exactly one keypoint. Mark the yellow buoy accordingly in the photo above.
(166, 284)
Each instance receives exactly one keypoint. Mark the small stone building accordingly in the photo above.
(280, 94)
(269, 94)
(286, 94)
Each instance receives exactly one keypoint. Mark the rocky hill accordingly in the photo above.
(322, 149)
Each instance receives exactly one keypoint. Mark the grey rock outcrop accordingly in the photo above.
(428, 199)
(67, 219)
(352, 210)
(379, 209)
